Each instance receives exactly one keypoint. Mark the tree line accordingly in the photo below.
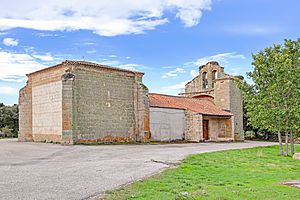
(271, 98)
(9, 120)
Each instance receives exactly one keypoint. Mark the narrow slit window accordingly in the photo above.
(205, 81)
(214, 77)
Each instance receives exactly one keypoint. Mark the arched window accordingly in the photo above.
(205, 81)
(214, 77)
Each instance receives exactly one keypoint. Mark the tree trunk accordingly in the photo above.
(286, 153)
(266, 135)
(280, 143)
(255, 133)
(292, 143)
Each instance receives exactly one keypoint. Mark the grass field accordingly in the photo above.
(236, 174)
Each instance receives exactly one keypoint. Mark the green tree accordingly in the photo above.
(9, 119)
(273, 101)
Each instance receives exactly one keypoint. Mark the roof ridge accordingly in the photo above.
(94, 64)
(87, 63)
(168, 95)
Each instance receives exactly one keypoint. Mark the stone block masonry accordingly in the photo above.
(84, 102)
(104, 105)
(193, 126)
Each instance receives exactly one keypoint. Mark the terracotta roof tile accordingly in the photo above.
(201, 106)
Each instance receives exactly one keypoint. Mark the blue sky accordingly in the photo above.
(166, 39)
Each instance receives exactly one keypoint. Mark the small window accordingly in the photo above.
(214, 77)
(205, 81)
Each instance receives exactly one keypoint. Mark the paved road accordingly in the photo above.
(51, 171)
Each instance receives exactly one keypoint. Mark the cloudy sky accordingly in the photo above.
(167, 39)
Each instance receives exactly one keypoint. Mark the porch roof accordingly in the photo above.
(200, 106)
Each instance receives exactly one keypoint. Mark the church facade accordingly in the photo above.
(214, 84)
(84, 102)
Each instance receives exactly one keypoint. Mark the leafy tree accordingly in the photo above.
(273, 101)
(9, 120)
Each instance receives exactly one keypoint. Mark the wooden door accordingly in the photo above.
(205, 130)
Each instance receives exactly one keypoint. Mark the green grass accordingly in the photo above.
(236, 174)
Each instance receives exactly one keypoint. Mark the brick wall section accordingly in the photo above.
(67, 112)
(48, 75)
(25, 114)
(193, 126)
(142, 111)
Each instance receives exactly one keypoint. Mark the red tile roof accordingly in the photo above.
(201, 106)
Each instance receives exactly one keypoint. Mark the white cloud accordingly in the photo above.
(46, 35)
(174, 89)
(112, 56)
(14, 66)
(252, 29)
(10, 42)
(173, 73)
(122, 65)
(45, 57)
(194, 73)
(222, 58)
(130, 66)
(91, 51)
(7, 90)
(105, 17)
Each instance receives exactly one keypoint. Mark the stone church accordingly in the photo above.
(83, 102)
(210, 109)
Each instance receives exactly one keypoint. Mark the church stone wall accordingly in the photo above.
(229, 97)
(193, 126)
(84, 102)
(25, 114)
(222, 93)
(220, 129)
(224, 90)
(47, 112)
(236, 105)
(105, 106)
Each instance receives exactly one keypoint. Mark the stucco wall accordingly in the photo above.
(104, 105)
(166, 124)
(47, 111)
